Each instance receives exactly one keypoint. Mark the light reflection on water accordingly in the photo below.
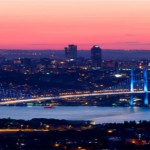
(98, 114)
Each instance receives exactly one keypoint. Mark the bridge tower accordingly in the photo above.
(144, 82)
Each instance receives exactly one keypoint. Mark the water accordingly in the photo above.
(97, 114)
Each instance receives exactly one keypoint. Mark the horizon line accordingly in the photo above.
(77, 49)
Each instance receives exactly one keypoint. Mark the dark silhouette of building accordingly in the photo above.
(71, 52)
(96, 56)
(26, 61)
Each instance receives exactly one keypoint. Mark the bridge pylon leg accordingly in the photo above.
(145, 87)
(132, 81)
(132, 88)
(131, 100)
(146, 99)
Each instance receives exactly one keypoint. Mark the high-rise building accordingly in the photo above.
(71, 52)
(96, 56)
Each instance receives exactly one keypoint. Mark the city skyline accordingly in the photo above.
(53, 24)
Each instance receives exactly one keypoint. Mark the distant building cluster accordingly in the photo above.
(96, 55)
(70, 53)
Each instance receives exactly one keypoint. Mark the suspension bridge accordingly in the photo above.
(136, 84)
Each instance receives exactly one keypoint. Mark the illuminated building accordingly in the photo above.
(96, 56)
(71, 52)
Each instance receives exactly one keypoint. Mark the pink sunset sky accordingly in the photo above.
(53, 24)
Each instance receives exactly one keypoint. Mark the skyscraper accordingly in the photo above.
(96, 56)
(71, 52)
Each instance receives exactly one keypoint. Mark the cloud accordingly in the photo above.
(137, 43)
(132, 42)
(40, 44)
(145, 43)
(129, 34)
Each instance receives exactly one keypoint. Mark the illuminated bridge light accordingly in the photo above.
(68, 96)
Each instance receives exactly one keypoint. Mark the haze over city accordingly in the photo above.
(53, 24)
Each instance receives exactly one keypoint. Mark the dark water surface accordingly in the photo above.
(97, 114)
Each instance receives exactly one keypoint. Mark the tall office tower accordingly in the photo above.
(71, 52)
(96, 56)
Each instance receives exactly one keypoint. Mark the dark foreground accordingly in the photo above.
(51, 134)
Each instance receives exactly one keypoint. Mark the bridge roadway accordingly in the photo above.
(69, 96)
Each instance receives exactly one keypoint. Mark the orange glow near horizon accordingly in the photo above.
(53, 24)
